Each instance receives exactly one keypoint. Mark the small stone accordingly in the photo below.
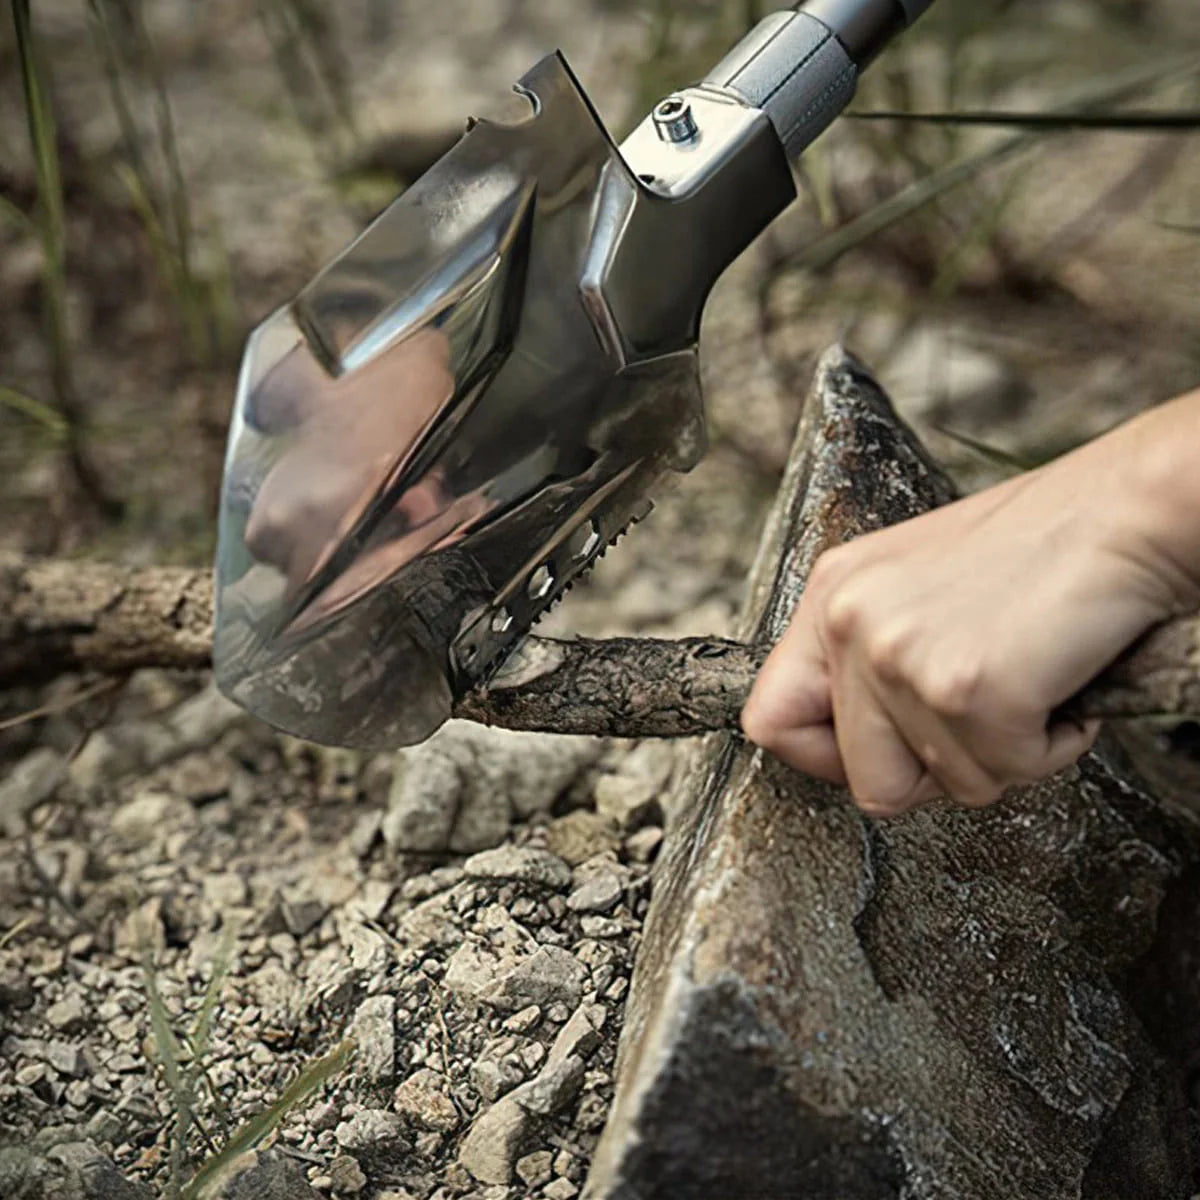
(643, 845)
(627, 802)
(560, 1189)
(372, 1132)
(67, 1015)
(302, 914)
(553, 1089)
(495, 1142)
(492, 1079)
(30, 783)
(67, 1059)
(564, 1163)
(422, 1099)
(533, 1055)
(538, 868)
(600, 927)
(580, 1035)
(558, 1013)
(225, 890)
(600, 893)
(581, 835)
(346, 1177)
(266, 1175)
(374, 1032)
(535, 1169)
(593, 1112)
(147, 815)
(93, 1176)
(525, 1020)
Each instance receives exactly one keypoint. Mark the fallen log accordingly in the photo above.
(944, 1006)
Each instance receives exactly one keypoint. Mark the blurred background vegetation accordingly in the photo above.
(169, 172)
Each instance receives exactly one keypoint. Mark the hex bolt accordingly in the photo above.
(674, 121)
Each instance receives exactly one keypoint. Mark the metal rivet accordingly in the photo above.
(541, 583)
(673, 119)
(502, 621)
(590, 545)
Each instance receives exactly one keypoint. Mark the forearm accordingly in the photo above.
(1145, 476)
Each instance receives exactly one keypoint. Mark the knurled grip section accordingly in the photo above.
(793, 68)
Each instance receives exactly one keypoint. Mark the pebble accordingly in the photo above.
(346, 1177)
(600, 893)
(560, 1189)
(600, 927)
(580, 1035)
(496, 1140)
(643, 845)
(535, 1169)
(522, 1022)
(518, 864)
(68, 1015)
(374, 1032)
(422, 1099)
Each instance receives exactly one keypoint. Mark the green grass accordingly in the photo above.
(49, 222)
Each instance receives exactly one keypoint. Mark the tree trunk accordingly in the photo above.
(941, 1006)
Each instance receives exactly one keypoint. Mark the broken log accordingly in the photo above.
(943, 1006)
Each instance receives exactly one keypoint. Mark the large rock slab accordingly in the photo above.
(833, 1008)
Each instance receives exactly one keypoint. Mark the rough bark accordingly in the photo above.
(938, 1007)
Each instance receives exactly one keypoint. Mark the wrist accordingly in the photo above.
(1150, 489)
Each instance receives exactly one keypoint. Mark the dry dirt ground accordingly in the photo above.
(468, 911)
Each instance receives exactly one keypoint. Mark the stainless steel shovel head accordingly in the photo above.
(450, 423)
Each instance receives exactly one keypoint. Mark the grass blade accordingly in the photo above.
(1183, 121)
(259, 1127)
(36, 410)
(825, 251)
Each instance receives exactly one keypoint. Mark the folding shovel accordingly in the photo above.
(456, 416)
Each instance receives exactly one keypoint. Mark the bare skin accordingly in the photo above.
(925, 660)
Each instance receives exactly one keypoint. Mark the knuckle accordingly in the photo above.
(952, 690)
(828, 569)
(757, 724)
(888, 648)
(843, 615)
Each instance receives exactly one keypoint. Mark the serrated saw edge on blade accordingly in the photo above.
(491, 634)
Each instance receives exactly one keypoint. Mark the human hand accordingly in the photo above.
(926, 659)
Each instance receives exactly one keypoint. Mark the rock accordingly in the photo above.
(524, 1021)
(89, 1175)
(373, 1135)
(492, 1079)
(535, 1169)
(225, 890)
(643, 845)
(460, 790)
(627, 803)
(30, 783)
(266, 1175)
(549, 975)
(560, 1189)
(600, 893)
(302, 913)
(67, 1015)
(580, 1035)
(374, 1032)
(67, 1059)
(581, 835)
(512, 981)
(496, 1140)
(600, 927)
(423, 1100)
(346, 1177)
(553, 1089)
(827, 1005)
(517, 864)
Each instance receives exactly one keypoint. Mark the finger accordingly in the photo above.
(792, 689)
(1066, 744)
(883, 773)
(812, 749)
(943, 750)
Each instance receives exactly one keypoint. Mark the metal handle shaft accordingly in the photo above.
(801, 66)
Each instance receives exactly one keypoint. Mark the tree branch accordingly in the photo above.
(58, 616)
